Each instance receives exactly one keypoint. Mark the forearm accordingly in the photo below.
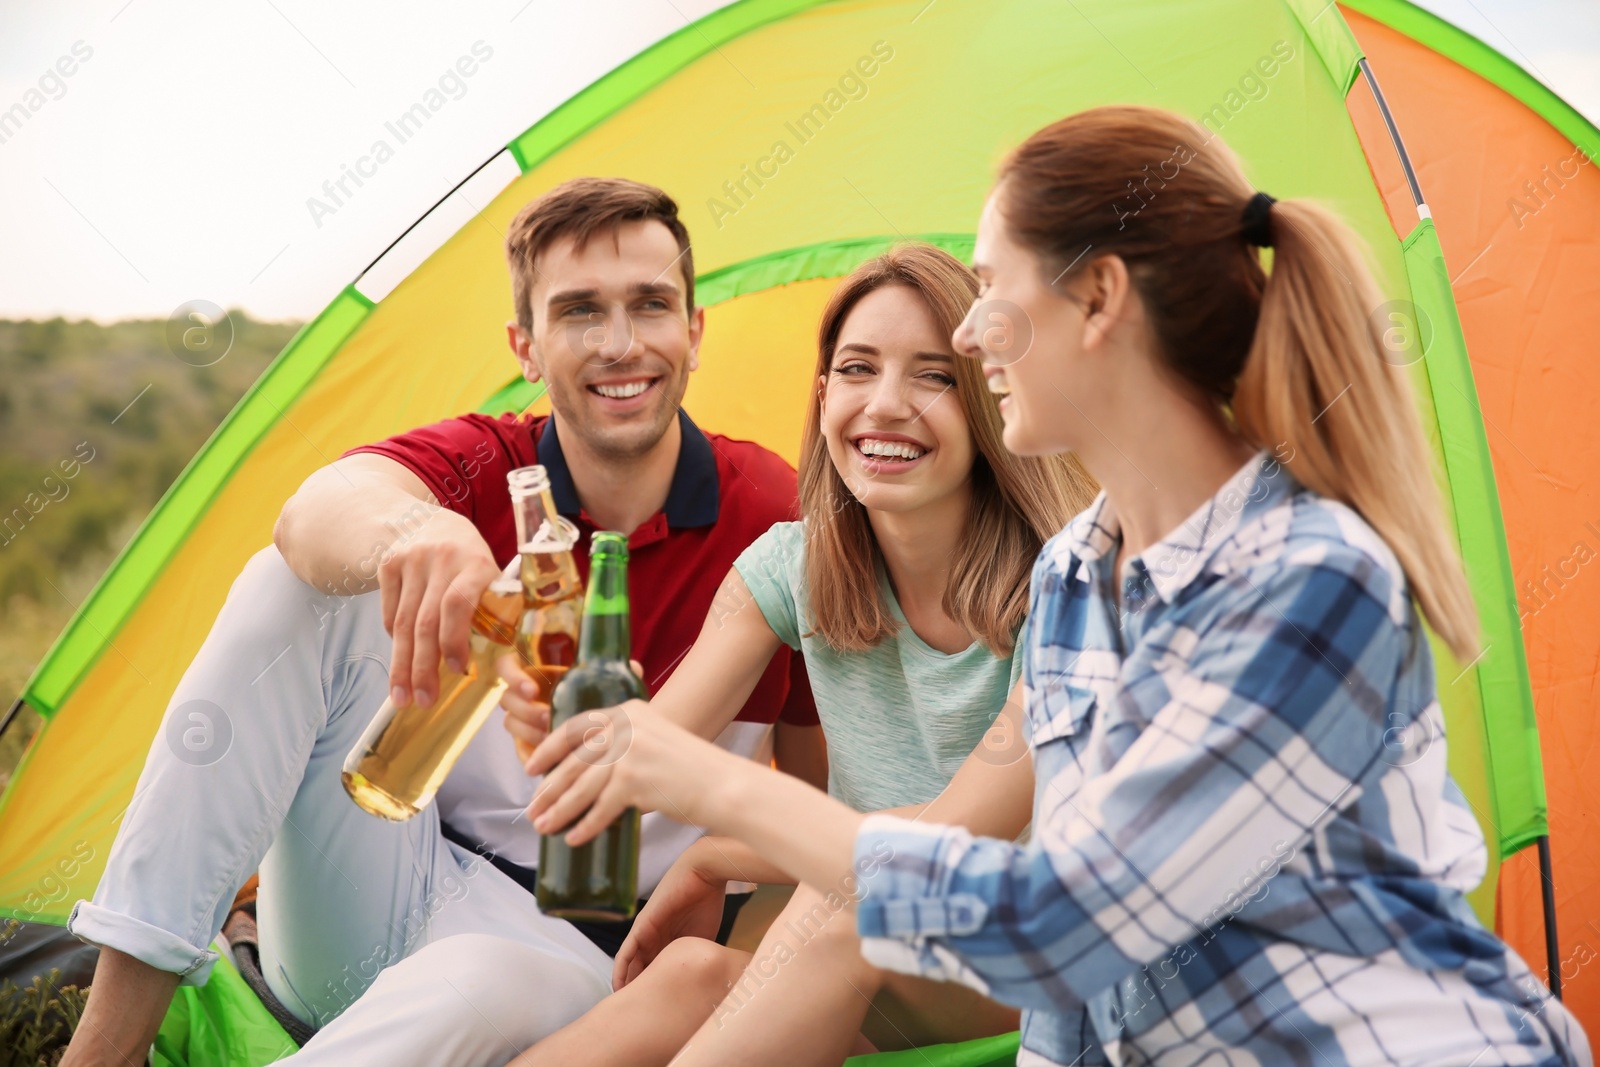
(801, 830)
(663, 767)
(724, 859)
(734, 860)
(721, 669)
(345, 518)
(127, 1001)
(335, 540)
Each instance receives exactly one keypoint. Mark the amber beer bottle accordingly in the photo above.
(405, 753)
(547, 635)
(599, 880)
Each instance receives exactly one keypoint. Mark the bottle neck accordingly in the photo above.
(500, 607)
(533, 508)
(605, 632)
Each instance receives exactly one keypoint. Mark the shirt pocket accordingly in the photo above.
(1059, 709)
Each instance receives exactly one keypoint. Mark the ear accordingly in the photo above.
(1107, 294)
(697, 331)
(522, 347)
(822, 393)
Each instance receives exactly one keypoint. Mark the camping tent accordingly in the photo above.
(800, 137)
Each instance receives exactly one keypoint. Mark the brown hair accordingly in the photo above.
(1017, 503)
(580, 208)
(1278, 351)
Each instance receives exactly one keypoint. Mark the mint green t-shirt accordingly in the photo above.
(899, 718)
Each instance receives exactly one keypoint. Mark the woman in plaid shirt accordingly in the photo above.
(1246, 846)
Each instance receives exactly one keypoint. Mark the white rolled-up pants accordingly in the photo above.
(401, 946)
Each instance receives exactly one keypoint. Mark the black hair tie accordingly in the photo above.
(1257, 220)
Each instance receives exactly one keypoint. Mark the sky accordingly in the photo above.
(177, 159)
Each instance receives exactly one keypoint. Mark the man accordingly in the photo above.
(603, 287)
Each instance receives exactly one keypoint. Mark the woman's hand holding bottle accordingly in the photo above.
(601, 763)
(527, 706)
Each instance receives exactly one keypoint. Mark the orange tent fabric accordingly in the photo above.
(1518, 214)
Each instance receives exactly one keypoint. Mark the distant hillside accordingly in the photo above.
(97, 421)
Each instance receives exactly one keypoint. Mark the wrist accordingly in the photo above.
(456, 527)
(728, 785)
(703, 862)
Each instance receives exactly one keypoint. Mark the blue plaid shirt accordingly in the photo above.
(1246, 847)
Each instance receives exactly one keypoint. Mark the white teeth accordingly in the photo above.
(871, 446)
(998, 385)
(622, 392)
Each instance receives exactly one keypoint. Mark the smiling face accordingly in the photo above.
(892, 422)
(1044, 386)
(612, 337)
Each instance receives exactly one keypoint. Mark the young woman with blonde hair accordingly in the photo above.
(1244, 848)
(905, 587)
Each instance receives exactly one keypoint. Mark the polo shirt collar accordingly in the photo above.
(1178, 558)
(554, 462)
(692, 500)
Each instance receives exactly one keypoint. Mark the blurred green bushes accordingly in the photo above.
(95, 423)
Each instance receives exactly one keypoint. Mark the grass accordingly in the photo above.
(37, 1021)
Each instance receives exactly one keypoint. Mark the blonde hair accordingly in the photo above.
(1017, 503)
(1295, 356)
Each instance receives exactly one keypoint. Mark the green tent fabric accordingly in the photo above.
(984, 1052)
(219, 1024)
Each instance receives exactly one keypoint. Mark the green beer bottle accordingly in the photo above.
(599, 880)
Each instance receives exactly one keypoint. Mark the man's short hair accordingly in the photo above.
(581, 208)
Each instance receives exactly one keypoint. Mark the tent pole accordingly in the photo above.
(16, 709)
(1552, 943)
(425, 214)
(1394, 135)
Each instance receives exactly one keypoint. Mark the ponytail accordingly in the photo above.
(1315, 386)
(1295, 357)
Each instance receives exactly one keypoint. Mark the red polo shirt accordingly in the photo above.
(725, 493)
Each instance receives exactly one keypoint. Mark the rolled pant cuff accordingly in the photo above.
(161, 949)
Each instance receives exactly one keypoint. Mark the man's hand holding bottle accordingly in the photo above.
(429, 586)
